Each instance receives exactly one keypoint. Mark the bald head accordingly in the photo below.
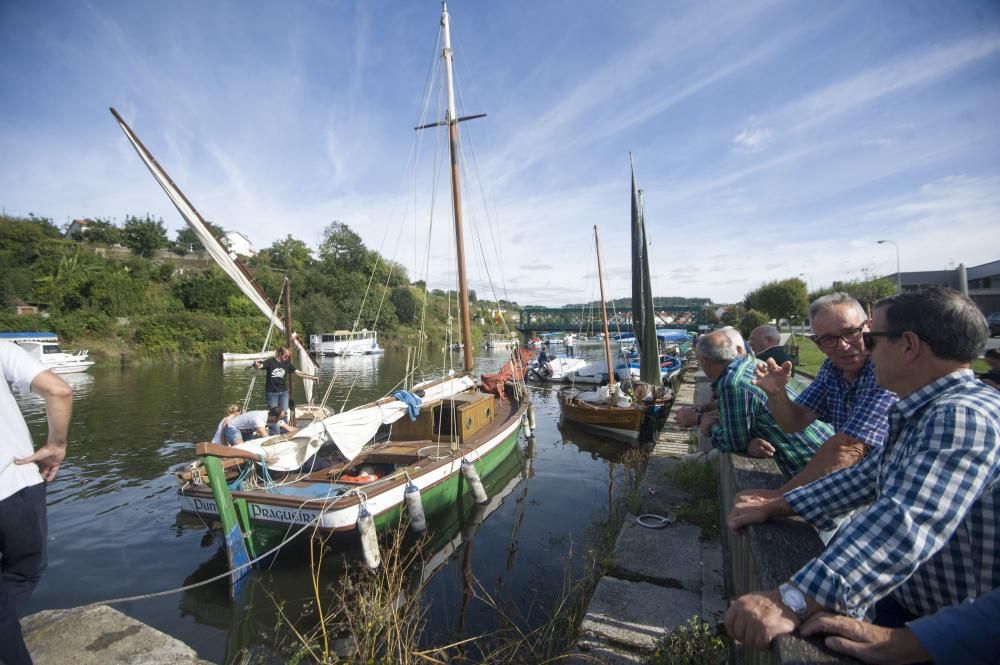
(764, 337)
(734, 335)
(715, 350)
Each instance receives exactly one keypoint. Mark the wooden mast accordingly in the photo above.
(604, 320)
(456, 197)
(289, 344)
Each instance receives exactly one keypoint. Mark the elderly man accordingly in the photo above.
(766, 344)
(844, 394)
(688, 416)
(929, 531)
(23, 474)
(743, 423)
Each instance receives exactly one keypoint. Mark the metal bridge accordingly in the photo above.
(588, 320)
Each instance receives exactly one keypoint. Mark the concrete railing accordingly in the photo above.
(765, 555)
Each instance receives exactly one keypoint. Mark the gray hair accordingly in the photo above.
(734, 335)
(829, 301)
(945, 320)
(717, 346)
(769, 332)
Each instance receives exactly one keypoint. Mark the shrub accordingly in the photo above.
(695, 643)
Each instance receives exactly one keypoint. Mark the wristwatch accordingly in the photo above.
(794, 600)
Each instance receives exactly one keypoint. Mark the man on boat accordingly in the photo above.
(235, 428)
(926, 534)
(277, 370)
(844, 394)
(766, 343)
(23, 474)
(742, 422)
(570, 340)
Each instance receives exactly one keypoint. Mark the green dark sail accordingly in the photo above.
(643, 315)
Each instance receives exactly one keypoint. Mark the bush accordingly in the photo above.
(695, 643)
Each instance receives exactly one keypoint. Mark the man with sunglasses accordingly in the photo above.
(927, 533)
(844, 394)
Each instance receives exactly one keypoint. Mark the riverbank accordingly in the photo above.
(658, 579)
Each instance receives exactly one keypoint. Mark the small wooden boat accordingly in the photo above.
(246, 357)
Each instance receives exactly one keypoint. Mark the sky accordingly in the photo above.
(771, 139)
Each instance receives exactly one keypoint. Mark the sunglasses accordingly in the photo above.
(830, 342)
(870, 337)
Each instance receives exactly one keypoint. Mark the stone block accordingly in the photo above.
(669, 556)
(100, 635)
(637, 614)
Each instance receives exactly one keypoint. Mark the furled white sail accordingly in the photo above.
(223, 257)
(349, 431)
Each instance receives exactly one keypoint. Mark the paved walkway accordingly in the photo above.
(658, 578)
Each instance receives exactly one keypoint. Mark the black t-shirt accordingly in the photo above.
(276, 372)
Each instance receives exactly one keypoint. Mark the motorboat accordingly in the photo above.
(44, 347)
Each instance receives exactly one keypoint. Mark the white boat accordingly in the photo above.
(44, 347)
(345, 343)
(500, 341)
(246, 357)
(555, 370)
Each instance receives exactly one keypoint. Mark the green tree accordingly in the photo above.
(405, 303)
(751, 320)
(783, 299)
(867, 292)
(187, 239)
(144, 236)
(342, 249)
(206, 291)
(102, 232)
(289, 254)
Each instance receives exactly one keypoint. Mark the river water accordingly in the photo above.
(115, 529)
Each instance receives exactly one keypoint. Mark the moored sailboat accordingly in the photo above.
(419, 450)
(609, 409)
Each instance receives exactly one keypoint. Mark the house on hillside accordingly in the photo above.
(239, 244)
(77, 228)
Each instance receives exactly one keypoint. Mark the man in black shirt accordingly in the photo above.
(766, 343)
(276, 372)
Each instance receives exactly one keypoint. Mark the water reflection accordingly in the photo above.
(114, 530)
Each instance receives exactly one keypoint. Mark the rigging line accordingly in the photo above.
(491, 227)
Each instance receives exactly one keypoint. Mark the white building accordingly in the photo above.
(239, 244)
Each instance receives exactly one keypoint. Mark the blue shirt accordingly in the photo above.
(967, 634)
(858, 409)
(931, 532)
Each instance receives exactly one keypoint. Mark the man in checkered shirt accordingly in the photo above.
(929, 532)
(844, 394)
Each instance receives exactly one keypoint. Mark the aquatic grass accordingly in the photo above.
(700, 481)
(378, 617)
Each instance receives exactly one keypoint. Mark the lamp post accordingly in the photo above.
(899, 276)
(809, 284)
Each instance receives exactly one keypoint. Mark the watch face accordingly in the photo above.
(793, 598)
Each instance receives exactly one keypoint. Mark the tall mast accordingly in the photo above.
(456, 197)
(604, 318)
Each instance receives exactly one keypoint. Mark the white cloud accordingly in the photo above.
(753, 139)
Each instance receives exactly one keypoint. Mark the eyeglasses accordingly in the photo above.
(870, 337)
(830, 342)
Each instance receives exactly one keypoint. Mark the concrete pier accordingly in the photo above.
(100, 635)
(658, 578)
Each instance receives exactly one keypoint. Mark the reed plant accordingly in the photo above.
(379, 617)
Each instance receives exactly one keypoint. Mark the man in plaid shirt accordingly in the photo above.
(742, 422)
(929, 533)
(844, 394)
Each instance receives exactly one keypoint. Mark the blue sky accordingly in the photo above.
(772, 139)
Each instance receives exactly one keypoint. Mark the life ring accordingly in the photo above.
(365, 474)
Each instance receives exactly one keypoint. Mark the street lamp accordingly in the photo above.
(899, 276)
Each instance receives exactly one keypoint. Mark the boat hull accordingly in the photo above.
(275, 516)
(620, 423)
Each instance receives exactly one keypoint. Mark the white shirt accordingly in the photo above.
(18, 369)
(248, 420)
